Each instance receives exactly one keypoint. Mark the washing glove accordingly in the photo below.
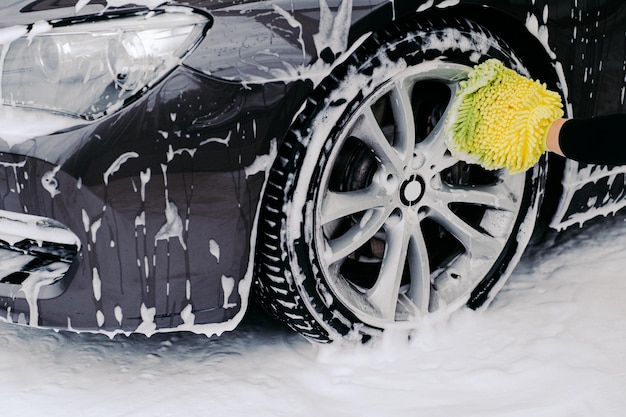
(500, 119)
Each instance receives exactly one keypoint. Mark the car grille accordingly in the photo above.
(36, 255)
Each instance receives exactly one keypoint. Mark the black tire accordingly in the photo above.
(363, 188)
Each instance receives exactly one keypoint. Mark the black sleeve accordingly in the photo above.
(599, 140)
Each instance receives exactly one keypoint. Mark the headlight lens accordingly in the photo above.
(90, 69)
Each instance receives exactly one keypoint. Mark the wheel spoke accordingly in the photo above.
(369, 131)
(495, 197)
(419, 268)
(405, 244)
(336, 205)
(439, 157)
(384, 294)
(404, 141)
(359, 234)
(479, 245)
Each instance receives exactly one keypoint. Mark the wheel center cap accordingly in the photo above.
(412, 190)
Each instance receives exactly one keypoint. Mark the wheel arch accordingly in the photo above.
(499, 21)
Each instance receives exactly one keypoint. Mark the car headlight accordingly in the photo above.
(92, 68)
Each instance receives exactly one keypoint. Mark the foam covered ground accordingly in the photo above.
(552, 344)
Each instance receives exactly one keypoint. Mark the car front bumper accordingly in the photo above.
(142, 220)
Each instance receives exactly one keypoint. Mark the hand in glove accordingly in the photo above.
(500, 119)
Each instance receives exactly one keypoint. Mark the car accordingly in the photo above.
(164, 164)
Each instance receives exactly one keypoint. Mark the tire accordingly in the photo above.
(368, 223)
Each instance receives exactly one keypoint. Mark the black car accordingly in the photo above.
(163, 164)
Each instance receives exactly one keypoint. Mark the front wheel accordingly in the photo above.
(369, 222)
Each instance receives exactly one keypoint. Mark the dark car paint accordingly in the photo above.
(228, 120)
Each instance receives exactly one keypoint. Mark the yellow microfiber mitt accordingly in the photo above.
(500, 119)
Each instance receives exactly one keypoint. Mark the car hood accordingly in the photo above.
(244, 33)
(30, 11)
